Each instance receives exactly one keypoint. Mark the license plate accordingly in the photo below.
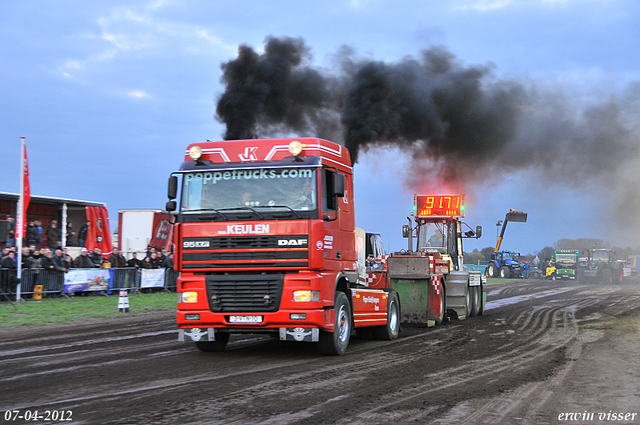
(245, 319)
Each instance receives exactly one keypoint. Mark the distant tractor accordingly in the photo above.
(563, 265)
(602, 266)
(505, 264)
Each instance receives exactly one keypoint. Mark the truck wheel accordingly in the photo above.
(491, 270)
(336, 342)
(218, 345)
(443, 306)
(476, 301)
(504, 272)
(392, 328)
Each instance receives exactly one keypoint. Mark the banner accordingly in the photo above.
(161, 231)
(152, 278)
(21, 219)
(78, 280)
(99, 234)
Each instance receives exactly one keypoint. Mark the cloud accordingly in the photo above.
(138, 93)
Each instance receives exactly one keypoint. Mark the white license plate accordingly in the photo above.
(245, 319)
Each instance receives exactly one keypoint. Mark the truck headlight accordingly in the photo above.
(306, 296)
(295, 148)
(188, 297)
(195, 152)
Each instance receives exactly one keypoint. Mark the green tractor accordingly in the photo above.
(602, 266)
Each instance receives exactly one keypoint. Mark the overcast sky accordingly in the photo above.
(109, 93)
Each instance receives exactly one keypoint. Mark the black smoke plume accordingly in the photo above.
(459, 123)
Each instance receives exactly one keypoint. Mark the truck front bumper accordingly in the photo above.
(290, 325)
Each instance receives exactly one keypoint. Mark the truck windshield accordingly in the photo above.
(566, 258)
(255, 188)
(432, 237)
(600, 256)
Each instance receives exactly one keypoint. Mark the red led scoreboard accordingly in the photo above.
(438, 205)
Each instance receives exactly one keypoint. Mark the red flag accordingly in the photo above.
(161, 231)
(99, 234)
(21, 222)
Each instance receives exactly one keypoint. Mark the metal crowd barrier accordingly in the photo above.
(43, 283)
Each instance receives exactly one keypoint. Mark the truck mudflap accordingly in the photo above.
(421, 299)
(458, 296)
(196, 334)
(300, 334)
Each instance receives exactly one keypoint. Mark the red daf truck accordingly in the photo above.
(266, 242)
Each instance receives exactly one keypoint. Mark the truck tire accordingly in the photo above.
(222, 338)
(443, 306)
(619, 275)
(505, 273)
(476, 300)
(491, 270)
(336, 342)
(607, 276)
(392, 328)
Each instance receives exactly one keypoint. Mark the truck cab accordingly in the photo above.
(265, 242)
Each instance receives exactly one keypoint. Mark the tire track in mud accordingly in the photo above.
(274, 388)
(555, 324)
(526, 404)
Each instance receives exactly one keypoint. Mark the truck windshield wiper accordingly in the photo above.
(211, 210)
(244, 208)
(282, 206)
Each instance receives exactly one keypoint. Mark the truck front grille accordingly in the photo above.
(235, 252)
(244, 293)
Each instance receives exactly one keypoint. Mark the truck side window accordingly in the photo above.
(328, 201)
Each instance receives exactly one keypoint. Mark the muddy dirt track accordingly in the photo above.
(543, 350)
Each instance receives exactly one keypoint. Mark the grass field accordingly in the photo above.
(57, 310)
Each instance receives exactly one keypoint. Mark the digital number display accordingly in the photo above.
(438, 205)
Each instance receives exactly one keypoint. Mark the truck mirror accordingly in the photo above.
(478, 231)
(171, 206)
(406, 231)
(173, 187)
(338, 185)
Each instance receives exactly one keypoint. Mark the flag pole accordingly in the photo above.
(20, 223)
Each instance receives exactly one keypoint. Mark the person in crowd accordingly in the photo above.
(72, 237)
(5, 251)
(83, 261)
(67, 258)
(39, 229)
(168, 262)
(53, 235)
(36, 257)
(117, 260)
(97, 258)
(50, 279)
(83, 233)
(134, 261)
(27, 258)
(9, 261)
(46, 262)
(11, 229)
(151, 262)
(60, 262)
(32, 234)
(156, 262)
